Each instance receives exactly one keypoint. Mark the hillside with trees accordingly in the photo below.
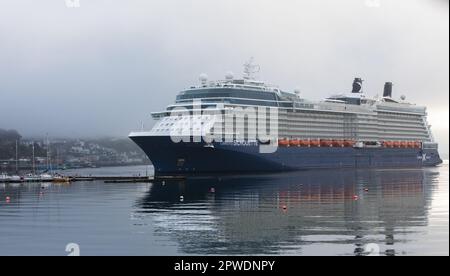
(8, 139)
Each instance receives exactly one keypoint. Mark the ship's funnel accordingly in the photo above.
(357, 85)
(387, 90)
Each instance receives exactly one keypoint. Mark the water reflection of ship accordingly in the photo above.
(283, 212)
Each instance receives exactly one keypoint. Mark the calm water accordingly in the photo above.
(402, 212)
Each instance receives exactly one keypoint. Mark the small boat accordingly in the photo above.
(314, 143)
(411, 144)
(397, 144)
(15, 179)
(326, 143)
(31, 178)
(417, 145)
(388, 144)
(283, 143)
(338, 143)
(304, 143)
(349, 143)
(404, 144)
(61, 179)
(4, 178)
(46, 177)
(294, 143)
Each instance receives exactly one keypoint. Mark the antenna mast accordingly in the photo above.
(34, 161)
(250, 69)
(17, 157)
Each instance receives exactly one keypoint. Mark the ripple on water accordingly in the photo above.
(403, 212)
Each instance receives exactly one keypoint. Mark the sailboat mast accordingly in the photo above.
(49, 156)
(17, 157)
(33, 161)
(48, 153)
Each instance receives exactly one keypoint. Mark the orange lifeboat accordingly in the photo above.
(314, 143)
(294, 143)
(283, 143)
(411, 145)
(388, 144)
(349, 143)
(338, 143)
(417, 145)
(397, 144)
(326, 143)
(404, 144)
(304, 143)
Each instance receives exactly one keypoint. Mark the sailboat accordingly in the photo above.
(47, 177)
(61, 179)
(32, 177)
(4, 178)
(16, 178)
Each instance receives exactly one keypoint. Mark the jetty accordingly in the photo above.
(65, 179)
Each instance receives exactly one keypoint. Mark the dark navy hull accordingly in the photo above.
(170, 158)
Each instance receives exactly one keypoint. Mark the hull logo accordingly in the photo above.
(424, 157)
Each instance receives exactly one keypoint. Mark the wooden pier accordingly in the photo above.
(106, 179)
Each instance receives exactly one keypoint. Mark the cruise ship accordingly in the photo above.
(240, 125)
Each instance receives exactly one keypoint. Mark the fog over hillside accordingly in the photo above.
(100, 69)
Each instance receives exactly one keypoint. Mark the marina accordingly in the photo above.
(68, 179)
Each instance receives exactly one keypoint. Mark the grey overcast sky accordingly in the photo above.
(100, 69)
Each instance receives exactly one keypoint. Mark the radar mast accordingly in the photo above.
(250, 69)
